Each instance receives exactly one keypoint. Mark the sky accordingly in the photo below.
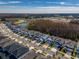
(39, 6)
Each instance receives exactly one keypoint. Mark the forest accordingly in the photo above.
(68, 30)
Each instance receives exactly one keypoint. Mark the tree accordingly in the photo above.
(3, 19)
(52, 44)
(74, 52)
(55, 28)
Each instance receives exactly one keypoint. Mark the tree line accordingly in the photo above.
(60, 29)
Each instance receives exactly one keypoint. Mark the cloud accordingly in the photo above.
(3, 2)
(7, 7)
(10, 2)
(76, 4)
(41, 10)
(54, 10)
(52, 2)
(14, 2)
(46, 7)
(68, 4)
(62, 3)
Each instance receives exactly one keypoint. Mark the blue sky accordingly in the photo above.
(37, 3)
(38, 6)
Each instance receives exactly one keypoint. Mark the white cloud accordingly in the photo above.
(62, 3)
(14, 2)
(7, 7)
(54, 10)
(52, 2)
(69, 4)
(3, 2)
(10, 2)
(41, 10)
(46, 7)
(77, 4)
